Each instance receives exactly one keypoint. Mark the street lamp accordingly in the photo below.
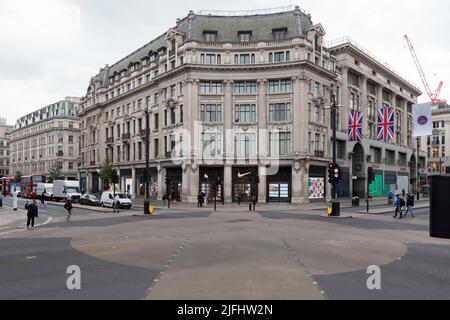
(335, 204)
(147, 162)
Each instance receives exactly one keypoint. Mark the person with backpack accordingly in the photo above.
(68, 206)
(398, 206)
(32, 213)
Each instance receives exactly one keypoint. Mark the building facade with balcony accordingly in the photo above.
(4, 147)
(233, 95)
(365, 84)
(47, 138)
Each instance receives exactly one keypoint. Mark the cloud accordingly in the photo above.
(51, 48)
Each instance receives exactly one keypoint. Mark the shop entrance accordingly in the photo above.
(175, 175)
(208, 178)
(243, 191)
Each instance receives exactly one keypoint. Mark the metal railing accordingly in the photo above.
(347, 40)
(250, 12)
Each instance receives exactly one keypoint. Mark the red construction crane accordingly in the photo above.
(434, 97)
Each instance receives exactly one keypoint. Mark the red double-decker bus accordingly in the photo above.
(28, 186)
(6, 185)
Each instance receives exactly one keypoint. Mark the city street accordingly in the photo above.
(228, 254)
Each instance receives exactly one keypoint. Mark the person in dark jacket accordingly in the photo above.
(398, 206)
(42, 198)
(68, 206)
(410, 205)
(32, 213)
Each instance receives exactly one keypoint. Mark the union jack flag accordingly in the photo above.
(355, 126)
(386, 123)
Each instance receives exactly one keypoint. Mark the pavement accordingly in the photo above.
(227, 254)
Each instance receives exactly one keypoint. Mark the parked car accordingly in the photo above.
(107, 199)
(90, 200)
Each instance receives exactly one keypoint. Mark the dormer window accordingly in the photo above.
(279, 34)
(245, 36)
(210, 36)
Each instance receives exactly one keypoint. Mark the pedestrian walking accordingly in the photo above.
(116, 204)
(165, 198)
(403, 193)
(398, 206)
(15, 199)
(42, 198)
(410, 205)
(68, 206)
(32, 213)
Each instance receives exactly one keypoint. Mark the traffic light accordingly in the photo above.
(370, 175)
(331, 168)
(337, 173)
(334, 173)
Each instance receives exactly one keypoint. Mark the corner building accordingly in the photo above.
(228, 95)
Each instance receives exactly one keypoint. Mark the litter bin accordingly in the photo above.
(439, 204)
(355, 202)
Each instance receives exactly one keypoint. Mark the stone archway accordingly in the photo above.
(358, 168)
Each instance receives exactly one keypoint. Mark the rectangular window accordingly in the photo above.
(156, 121)
(280, 143)
(214, 87)
(245, 144)
(245, 36)
(211, 113)
(280, 112)
(280, 86)
(245, 113)
(211, 143)
(210, 36)
(279, 34)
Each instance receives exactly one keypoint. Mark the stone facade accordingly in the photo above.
(252, 95)
(45, 138)
(438, 145)
(4, 148)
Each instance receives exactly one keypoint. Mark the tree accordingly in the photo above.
(18, 176)
(106, 172)
(54, 173)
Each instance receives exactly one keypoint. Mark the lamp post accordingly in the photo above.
(417, 168)
(147, 162)
(334, 127)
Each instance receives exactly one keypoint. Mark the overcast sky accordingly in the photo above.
(49, 49)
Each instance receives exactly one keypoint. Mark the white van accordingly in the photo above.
(107, 199)
(46, 189)
(66, 189)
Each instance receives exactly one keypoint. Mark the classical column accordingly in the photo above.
(228, 120)
(262, 187)
(228, 183)
(405, 123)
(300, 126)
(161, 178)
(133, 183)
(191, 183)
(344, 96)
(364, 105)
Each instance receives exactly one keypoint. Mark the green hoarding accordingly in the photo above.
(376, 188)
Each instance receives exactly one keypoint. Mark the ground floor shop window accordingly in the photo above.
(316, 188)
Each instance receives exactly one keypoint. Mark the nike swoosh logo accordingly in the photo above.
(243, 175)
